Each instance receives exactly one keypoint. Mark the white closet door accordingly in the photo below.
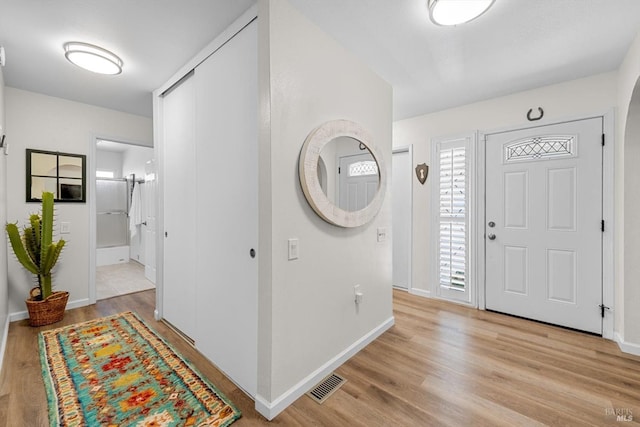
(401, 216)
(227, 207)
(179, 284)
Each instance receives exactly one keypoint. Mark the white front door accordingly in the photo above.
(358, 181)
(149, 229)
(402, 174)
(543, 223)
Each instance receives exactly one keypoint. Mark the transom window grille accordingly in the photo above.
(452, 252)
(540, 147)
(364, 168)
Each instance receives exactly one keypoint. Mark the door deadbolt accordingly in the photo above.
(492, 224)
(252, 253)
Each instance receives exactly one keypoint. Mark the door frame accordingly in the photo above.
(608, 188)
(408, 149)
(151, 164)
(91, 200)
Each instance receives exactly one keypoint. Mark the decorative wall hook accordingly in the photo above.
(422, 171)
(533, 119)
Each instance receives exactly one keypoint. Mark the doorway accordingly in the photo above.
(402, 218)
(544, 223)
(121, 204)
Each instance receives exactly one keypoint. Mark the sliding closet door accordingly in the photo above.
(227, 207)
(179, 283)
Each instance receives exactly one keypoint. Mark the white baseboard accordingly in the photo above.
(21, 315)
(420, 292)
(3, 343)
(627, 347)
(270, 409)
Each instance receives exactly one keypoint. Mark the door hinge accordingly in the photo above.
(602, 309)
(603, 139)
(339, 169)
(602, 226)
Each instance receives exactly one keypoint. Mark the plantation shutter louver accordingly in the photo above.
(452, 218)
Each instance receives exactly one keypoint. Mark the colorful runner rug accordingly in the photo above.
(115, 371)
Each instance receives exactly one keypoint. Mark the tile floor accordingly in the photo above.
(120, 279)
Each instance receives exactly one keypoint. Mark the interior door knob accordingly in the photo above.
(492, 236)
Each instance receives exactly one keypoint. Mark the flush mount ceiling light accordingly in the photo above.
(454, 12)
(92, 58)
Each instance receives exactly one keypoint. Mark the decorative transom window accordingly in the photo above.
(364, 168)
(539, 147)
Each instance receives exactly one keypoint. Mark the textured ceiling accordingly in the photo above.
(154, 38)
(516, 45)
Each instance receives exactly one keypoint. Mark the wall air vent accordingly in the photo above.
(326, 388)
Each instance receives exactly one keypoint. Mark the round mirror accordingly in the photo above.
(342, 175)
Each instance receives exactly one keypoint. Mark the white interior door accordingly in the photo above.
(401, 217)
(149, 226)
(179, 278)
(358, 181)
(227, 208)
(544, 213)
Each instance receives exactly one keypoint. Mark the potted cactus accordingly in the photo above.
(38, 253)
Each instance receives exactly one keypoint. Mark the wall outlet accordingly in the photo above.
(357, 294)
(293, 248)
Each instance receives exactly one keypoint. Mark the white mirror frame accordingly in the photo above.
(308, 172)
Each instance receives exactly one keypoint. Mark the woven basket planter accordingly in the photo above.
(48, 311)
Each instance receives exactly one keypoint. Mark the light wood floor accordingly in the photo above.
(440, 365)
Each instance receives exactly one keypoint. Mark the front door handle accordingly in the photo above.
(492, 237)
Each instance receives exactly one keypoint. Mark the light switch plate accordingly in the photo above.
(65, 227)
(293, 249)
(382, 234)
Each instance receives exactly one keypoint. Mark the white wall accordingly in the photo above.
(109, 161)
(48, 123)
(596, 94)
(134, 159)
(4, 294)
(628, 201)
(307, 314)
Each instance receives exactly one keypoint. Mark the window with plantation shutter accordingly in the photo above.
(452, 253)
